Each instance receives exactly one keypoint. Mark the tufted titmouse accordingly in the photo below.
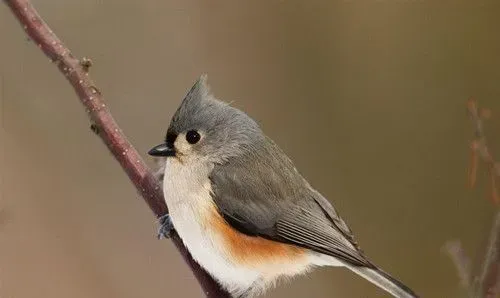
(241, 208)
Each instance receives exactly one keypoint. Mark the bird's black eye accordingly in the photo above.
(192, 137)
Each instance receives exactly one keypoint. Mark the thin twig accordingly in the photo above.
(462, 263)
(487, 282)
(76, 72)
(479, 149)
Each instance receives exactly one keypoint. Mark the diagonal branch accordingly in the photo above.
(76, 72)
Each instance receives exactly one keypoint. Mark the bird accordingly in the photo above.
(242, 209)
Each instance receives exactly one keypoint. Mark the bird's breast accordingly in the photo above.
(236, 260)
(187, 194)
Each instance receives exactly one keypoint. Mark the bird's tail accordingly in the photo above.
(384, 281)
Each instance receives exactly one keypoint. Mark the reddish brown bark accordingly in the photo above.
(76, 72)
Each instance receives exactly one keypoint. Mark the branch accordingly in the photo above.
(76, 72)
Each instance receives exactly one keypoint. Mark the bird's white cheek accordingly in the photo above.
(182, 146)
(185, 150)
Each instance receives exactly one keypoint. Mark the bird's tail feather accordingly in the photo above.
(384, 281)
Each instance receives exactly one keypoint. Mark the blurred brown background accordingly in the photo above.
(367, 97)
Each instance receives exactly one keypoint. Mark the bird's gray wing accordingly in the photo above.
(261, 194)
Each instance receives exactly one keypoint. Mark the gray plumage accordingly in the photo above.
(262, 190)
(258, 191)
(229, 131)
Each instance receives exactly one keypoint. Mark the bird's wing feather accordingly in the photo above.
(261, 194)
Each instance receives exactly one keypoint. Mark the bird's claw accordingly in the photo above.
(166, 227)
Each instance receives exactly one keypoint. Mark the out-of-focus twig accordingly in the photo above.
(479, 149)
(76, 72)
(462, 263)
(487, 282)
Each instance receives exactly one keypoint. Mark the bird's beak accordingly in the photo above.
(162, 150)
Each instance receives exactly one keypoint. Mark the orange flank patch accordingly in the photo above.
(253, 251)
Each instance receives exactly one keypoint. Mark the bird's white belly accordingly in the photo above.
(187, 194)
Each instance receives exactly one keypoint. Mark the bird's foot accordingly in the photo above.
(166, 227)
